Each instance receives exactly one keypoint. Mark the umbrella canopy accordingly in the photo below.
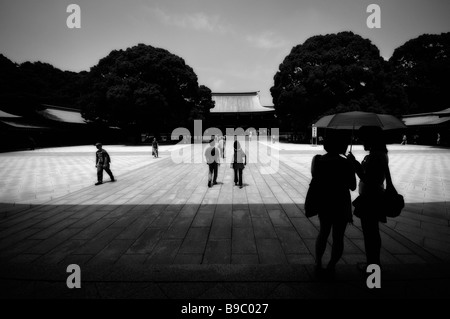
(356, 119)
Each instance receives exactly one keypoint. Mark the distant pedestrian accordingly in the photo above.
(102, 162)
(335, 178)
(212, 155)
(404, 140)
(239, 163)
(155, 148)
(438, 141)
(222, 146)
(416, 138)
(372, 173)
(32, 143)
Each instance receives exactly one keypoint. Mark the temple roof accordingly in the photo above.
(431, 118)
(62, 114)
(4, 114)
(440, 113)
(247, 102)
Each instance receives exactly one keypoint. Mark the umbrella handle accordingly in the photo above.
(351, 141)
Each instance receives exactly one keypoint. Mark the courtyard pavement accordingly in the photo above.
(160, 232)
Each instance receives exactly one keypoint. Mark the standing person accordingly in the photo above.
(239, 162)
(102, 162)
(372, 173)
(222, 146)
(155, 148)
(335, 177)
(212, 156)
(438, 141)
(404, 140)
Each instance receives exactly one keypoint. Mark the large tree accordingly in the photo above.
(144, 88)
(333, 73)
(422, 67)
(24, 87)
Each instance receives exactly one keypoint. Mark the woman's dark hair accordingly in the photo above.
(373, 138)
(236, 145)
(335, 143)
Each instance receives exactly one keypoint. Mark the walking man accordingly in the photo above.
(102, 162)
(212, 155)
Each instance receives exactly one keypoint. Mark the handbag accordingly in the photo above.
(313, 198)
(393, 201)
(391, 204)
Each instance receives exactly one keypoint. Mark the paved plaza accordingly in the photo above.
(160, 232)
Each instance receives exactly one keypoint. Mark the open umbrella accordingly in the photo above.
(356, 119)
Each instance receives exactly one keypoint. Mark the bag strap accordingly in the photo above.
(388, 176)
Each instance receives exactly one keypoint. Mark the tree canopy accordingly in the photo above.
(334, 73)
(422, 67)
(145, 87)
(24, 87)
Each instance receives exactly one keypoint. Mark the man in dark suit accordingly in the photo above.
(102, 162)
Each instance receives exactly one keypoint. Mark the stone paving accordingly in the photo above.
(34, 177)
(161, 216)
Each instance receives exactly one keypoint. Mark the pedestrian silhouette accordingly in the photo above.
(212, 155)
(404, 140)
(155, 148)
(369, 205)
(222, 146)
(102, 162)
(335, 178)
(239, 162)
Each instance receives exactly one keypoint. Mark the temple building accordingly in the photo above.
(427, 128)
(233, 110)
(48, 126)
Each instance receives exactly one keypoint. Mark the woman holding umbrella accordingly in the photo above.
(372, 173)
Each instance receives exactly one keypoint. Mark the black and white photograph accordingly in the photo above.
(225, 158)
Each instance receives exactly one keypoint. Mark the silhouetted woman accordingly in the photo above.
(335, 177)
(372, 173)
(239, 162)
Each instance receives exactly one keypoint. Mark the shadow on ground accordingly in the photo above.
(200, 251)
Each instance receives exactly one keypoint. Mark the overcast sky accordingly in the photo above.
(232, 45)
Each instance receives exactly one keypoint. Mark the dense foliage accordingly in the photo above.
(143, 87)
(422, 67)
(24, 87)
(152, 89)
(334, 73)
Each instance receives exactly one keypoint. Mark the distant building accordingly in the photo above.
(233, 110)
(425, 127)
(50, 125)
